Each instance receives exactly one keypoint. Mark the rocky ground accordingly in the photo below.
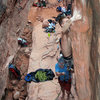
(17, 89)
(43, 55)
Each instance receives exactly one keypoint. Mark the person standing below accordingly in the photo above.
(63, 72)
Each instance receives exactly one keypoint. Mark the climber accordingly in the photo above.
(65, 42)
(63, 71)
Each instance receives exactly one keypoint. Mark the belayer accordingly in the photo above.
(63, 71)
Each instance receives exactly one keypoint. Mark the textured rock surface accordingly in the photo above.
(81, 42)
(95, 51)
(16, 95)
(85, 39)
(8, 47)
(12, 24)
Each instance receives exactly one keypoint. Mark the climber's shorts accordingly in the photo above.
(65, 85)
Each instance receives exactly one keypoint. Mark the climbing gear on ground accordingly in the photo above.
(51, 30)
(49, 34)
(29, 77)
(49, 20)
(22, 42)
(13, 70)
(58, 9)
(40, 75)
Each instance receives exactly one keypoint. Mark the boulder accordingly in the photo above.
(16, 95)
(45, 23)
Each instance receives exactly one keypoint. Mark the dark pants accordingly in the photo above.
(65, 85)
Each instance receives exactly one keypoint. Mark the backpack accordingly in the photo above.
(58, 9)
(69, 11)
(49, 20)
(13, 70)
(40, 75)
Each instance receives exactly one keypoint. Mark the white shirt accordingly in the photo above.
(23, 41)
(51, 25)
(63, 9)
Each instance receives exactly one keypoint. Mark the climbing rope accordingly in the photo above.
(58, 95)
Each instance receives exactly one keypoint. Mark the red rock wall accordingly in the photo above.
(86, 51)
(8, 45)
(95, 51)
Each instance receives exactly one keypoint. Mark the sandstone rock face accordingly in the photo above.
(45, 23)
(12, 24)
(95, 51)
(3, 6)
(8, 46)
(85, 39)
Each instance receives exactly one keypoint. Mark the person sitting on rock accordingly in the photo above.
(64, 11)
(61, 9)
(64, 77)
